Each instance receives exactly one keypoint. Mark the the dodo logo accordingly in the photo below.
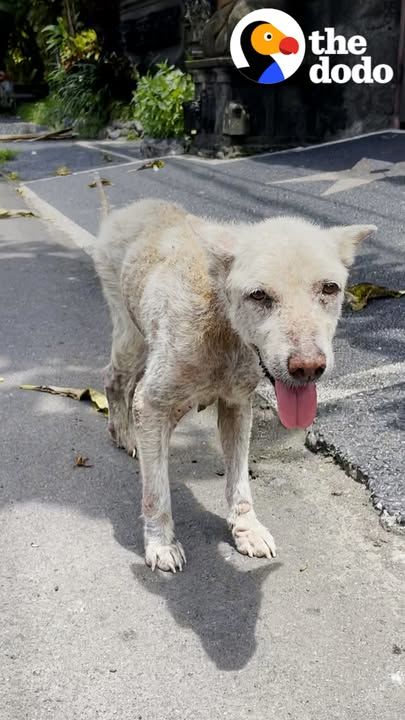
(267, 46)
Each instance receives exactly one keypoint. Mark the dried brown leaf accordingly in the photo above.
(97, 398)
(81, 461)
(4, 214)
(152, 165)
(359, 295)
(104, 181)
(63, 170)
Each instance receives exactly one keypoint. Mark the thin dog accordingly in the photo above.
(201, 311)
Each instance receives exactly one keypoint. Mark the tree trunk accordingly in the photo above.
(70, 15)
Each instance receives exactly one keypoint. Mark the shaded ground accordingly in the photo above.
(87, 630)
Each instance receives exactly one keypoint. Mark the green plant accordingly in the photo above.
(83, 95)
(49, 112)
(21, 42)
(132, 135)
(70, 49)
(56, 36)
(159, 99)
(6, 155)
(91, 90)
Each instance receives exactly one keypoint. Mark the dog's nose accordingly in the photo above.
(306, 368)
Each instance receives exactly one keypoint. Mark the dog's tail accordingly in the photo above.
(104, 204)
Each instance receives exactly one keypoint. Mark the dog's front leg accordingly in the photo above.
(251, 537)
(153, 427)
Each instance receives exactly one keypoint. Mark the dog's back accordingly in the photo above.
(123, 227)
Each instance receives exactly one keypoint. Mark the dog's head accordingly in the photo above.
(284, 292)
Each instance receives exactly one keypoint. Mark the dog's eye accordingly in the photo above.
(268, 36)
(330, 288)
(259, 296)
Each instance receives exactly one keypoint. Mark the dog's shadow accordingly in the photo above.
(214, 598)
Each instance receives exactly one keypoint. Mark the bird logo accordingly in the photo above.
(267, 46)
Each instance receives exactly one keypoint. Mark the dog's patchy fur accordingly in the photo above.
(187, 332)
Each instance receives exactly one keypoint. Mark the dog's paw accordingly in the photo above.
(253, 539)
(165, 557)
(122, 438)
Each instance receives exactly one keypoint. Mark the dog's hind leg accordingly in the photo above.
(251, 537)
(153, 427)
(120, 378)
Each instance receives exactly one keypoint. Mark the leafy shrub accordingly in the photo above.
(77, 98)
(83, 97)
(56, 37)
(23, 20)
(159, 100)
(49, 112)
(85, 83)
(71, 49)
(91, 91)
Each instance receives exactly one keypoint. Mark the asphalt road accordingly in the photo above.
(87, 630)
(362, 418)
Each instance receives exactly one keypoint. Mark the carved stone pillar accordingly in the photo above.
(197, 14)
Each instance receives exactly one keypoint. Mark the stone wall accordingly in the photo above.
(298, 111)
(351, 108)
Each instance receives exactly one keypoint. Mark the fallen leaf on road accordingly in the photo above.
(152, 165)
(13, 176)
(81, 461)
(359, 295)
(104, 181)
(63, 170)
(1, 380)
(97, 398)
(15, 213)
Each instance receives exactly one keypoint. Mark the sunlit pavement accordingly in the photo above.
(87, 630)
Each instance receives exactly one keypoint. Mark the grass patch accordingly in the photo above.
(43, 112)
(6, 155)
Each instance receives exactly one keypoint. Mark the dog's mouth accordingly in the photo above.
(296, 405)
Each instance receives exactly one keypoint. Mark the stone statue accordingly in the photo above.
(196, 16)
(218, 30)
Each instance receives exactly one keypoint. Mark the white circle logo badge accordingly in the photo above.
(267, 46)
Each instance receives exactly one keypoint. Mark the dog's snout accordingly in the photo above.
(306, 368)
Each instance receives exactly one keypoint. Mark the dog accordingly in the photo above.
(201, 311)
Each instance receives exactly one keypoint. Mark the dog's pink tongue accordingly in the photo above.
(296, 406)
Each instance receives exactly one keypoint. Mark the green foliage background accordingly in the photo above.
(159, 100)
(69, 44)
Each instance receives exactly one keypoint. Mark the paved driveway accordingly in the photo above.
(362, 418)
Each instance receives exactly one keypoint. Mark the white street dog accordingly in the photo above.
(201, 311)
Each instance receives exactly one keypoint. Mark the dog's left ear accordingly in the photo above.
(348, 237)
